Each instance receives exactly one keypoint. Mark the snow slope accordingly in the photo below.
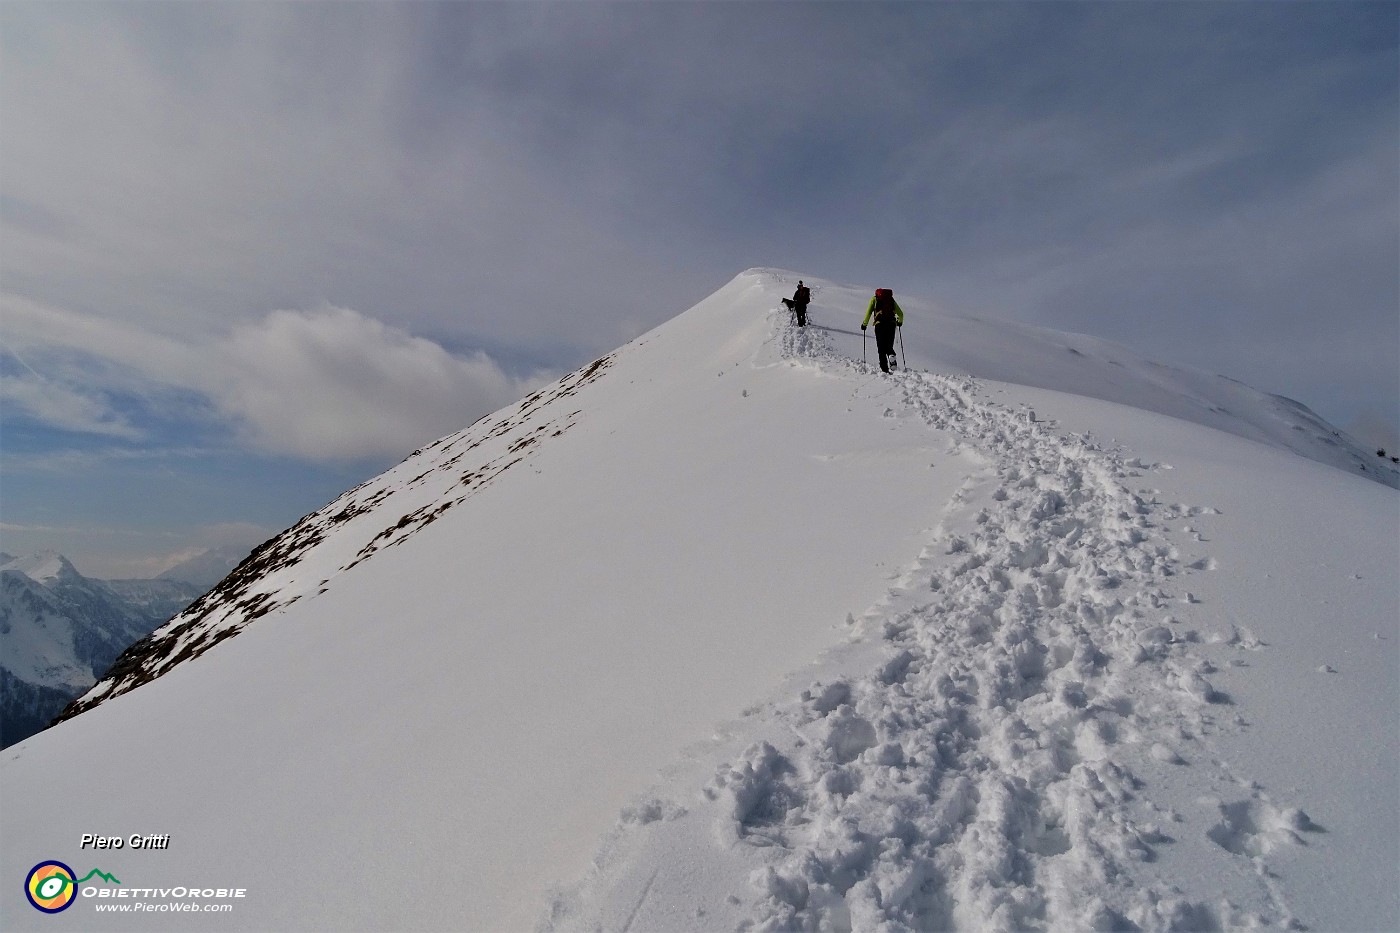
(983, 656)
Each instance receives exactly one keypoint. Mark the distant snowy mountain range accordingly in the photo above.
(60, 631)
(728, 630)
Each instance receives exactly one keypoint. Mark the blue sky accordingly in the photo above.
(251, 254)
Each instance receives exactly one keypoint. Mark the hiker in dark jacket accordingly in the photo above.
(798, 303)
(888, 316)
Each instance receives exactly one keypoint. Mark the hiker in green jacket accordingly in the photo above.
(888, 316)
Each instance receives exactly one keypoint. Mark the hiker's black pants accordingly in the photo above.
(884, 342)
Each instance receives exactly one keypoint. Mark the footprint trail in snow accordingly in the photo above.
(998, 767)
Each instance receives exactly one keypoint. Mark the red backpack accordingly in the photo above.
(884, 305)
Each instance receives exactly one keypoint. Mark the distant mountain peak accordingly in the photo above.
(44, 567)
(206, 567)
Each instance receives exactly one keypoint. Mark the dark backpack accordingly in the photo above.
(884, 305)
(804, 295)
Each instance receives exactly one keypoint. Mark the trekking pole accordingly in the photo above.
(862, 344)
(901, 346)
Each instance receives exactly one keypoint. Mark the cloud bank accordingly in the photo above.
(326, 384)
(333, 383)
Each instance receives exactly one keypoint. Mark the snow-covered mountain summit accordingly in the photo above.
(43, 567)
(60, 631)
(726, 629)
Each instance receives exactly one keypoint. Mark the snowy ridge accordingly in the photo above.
(993, 768)
(305, 559)
(980, 658)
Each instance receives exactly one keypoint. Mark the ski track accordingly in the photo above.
(982, 776)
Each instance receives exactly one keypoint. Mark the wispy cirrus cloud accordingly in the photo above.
(65, 407)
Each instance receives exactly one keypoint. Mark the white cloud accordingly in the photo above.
(321, 385)
(335, 384)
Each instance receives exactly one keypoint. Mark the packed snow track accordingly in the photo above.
(995, 765)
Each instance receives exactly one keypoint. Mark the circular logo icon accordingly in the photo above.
(51, 887)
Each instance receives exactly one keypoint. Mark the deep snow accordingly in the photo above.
(730, 630)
